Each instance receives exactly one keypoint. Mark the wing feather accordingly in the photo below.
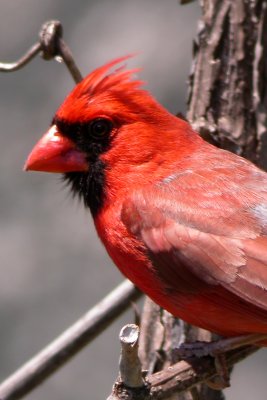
(206, 230)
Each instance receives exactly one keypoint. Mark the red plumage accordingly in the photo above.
(183, 220)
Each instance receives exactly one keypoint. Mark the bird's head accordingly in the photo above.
(106, 122)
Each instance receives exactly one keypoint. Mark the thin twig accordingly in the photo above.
(184, 375)
(25, 59)
(69, 61)
(186, 1)
(69, 343)
(51, 46)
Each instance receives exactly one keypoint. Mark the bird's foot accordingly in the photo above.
(222, 379)
(217, 349)
(201, 349)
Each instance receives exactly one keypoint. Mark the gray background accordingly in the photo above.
(53, 267)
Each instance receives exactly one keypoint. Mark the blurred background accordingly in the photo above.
(53, 267)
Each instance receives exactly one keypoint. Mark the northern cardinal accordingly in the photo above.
(185, 221)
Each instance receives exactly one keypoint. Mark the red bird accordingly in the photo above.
(185, 221)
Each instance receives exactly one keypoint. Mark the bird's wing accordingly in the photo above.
(203, 229)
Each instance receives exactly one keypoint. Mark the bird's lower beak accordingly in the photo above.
(55, 153)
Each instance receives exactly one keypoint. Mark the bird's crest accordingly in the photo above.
(101, 80)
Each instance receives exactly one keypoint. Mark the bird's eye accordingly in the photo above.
(100, 127)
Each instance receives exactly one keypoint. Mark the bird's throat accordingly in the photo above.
(89, 186)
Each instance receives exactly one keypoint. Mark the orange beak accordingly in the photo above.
(56, 153)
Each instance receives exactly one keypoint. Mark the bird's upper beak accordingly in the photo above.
(55, 153)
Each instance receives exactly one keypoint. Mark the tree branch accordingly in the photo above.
(185, 375)
(178, 378)
(69, 342)
(24, 60)
(51, 46)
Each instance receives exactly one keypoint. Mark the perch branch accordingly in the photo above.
(177, 378)
(69, 342)
(185, 375)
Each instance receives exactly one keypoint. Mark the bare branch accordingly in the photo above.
(130, 384)
(52, 46)
(25, 59)
(186, 1)
(130, 365)
(66, 55)
(180, 377)
(185, 375)
(69, 343)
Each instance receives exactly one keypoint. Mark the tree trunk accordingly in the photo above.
(227, 105)
(227, 100)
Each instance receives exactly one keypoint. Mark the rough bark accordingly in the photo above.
(227, 104)
(227, 100)
(161, 334)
